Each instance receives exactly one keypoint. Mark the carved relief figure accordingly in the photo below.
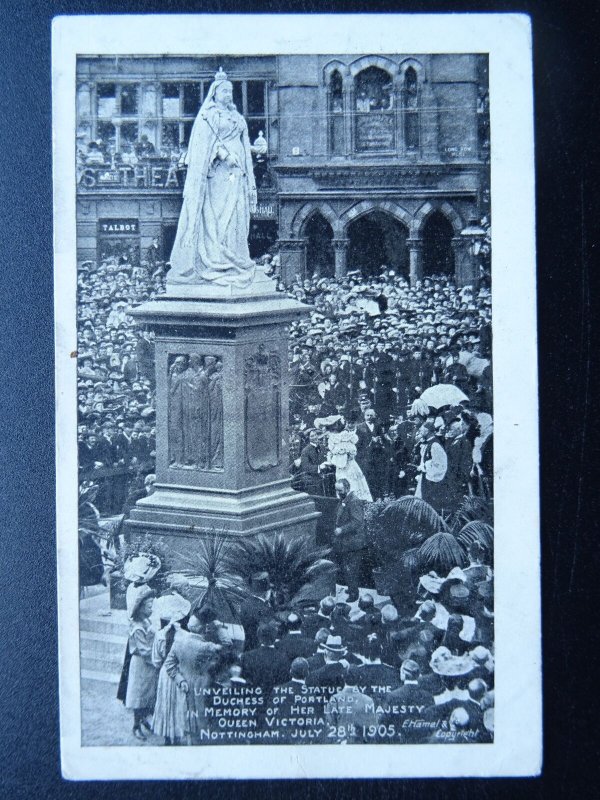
(216, 417)
(176, 414)
(195, 413)
(262, 379)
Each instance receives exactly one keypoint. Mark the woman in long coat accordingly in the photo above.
(143, 675)
(172, 609)
(188, 664)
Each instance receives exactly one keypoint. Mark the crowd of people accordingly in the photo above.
(103, 153)
(359, 364)
(363, 367)
(116, 381)
(335, 671)
(354, 667)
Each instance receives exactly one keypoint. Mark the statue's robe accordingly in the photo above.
(211, 245)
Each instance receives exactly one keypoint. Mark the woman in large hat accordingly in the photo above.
(138, 570)
(188, 665)
(171, 609)
(143, 675)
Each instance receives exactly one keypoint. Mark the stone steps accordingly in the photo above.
(104, 625)
(102, 644)
(101, 664)
(96, 675)
(102, 639)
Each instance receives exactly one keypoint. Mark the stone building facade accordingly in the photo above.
(372, 159)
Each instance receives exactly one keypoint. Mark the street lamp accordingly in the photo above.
(474, 236)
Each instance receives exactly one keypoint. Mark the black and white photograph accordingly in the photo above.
(295, 368)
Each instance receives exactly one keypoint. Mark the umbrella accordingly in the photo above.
(473, 364)
(444, 394)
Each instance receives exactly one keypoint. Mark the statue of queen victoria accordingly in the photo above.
(211, 245)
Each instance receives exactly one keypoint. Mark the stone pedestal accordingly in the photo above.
(222, 416)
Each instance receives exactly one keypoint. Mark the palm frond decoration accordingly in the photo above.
(477, 531)
(405, 523)
(207, 579)
(441, 552)
(412, 515)
(291, 562)
(471, 509)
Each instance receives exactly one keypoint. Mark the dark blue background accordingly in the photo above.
(566, 70)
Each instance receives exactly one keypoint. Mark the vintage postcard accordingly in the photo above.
(296, 396)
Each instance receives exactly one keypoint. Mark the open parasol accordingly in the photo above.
(443, 394)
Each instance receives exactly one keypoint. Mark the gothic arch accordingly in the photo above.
(368, 206)
(373, 61)
(331, 67)
(428, 208)
(416, 65)
(307, 210)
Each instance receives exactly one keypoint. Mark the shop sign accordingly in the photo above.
(375, 131)
(118, 227)
(143, 176)
(264, 210)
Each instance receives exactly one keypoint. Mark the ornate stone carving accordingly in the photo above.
(262, 409)
(195, 412)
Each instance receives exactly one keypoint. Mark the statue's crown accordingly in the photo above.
(220, 76)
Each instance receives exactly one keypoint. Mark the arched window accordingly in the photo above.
(410, 108)
(374, 110)
(336, 114)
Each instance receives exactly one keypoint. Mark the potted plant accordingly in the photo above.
(399, 529)
(208, 578)
(374, 513)
(299, 571)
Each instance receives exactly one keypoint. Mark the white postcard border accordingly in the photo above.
(517, 749)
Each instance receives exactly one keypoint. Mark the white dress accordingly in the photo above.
(342, 450)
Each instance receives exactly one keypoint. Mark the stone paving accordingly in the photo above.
(105, 720)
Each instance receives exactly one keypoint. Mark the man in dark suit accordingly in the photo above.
(472, 705)
(256, 609)
(409, 701)
(85, 453)
(332, 674)
(372, 454)
(409, 629)
(317, 661)
(286, 699)
(373, 672)
(384, 383)
(153, 255)
(336, 393)
(265, 666)
(144, 356)
(294, 644)
(456, 373)
(311, 459)
(350, 539)
(101, 450)
(314, 621)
